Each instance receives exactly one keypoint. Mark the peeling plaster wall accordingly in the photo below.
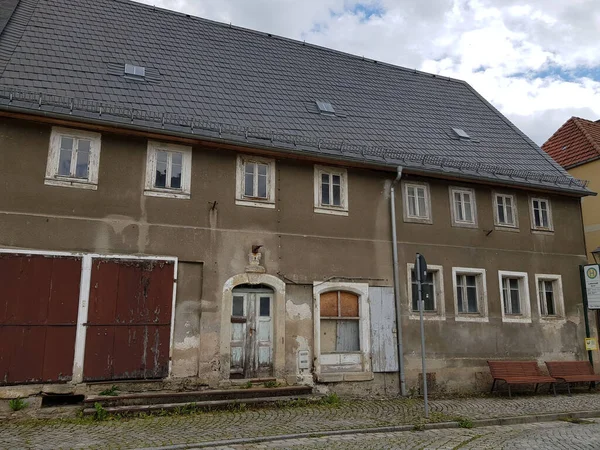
(299, 246)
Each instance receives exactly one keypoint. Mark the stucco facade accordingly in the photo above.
(211, 237)
(590, 205)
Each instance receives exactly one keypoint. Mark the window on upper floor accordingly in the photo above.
(168, 170)
(331, 190)
(514, 292)
(417, 202)
(541, 214)
(505, 211)
(255, 182)
(470, 294)
(432, 293)
(463, 208)
(73, 158)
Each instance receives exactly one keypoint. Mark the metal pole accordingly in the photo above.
(585, 309)
(421, 308)
(397, 286)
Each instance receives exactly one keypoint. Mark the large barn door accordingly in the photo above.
(39, 298)
(129, 319)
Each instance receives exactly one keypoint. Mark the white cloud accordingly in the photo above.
(501, 47)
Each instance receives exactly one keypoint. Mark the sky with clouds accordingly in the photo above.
(538, 61)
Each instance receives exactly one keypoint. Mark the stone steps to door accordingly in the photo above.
(205, 405)
(187, 397)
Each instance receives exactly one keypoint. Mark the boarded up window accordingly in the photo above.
(339, 322)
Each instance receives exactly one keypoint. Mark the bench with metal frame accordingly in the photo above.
(519, 372)
(573, 372)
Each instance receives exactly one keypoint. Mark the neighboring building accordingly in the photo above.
(188, 200)
(576, 147)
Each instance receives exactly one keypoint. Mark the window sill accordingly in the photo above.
(509, 228)
(255, 203)
(423, 220)
(73, 183)
(414, 315)
(166, 194)
(464, 225)
(553, 319)
(470, 318)
(331, 211)
(516, 319)
(344, 376)
(547, 232)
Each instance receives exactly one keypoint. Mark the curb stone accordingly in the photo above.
(515, 420)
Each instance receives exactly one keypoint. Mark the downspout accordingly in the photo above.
(397, 284)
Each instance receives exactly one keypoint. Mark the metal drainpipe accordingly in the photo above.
(397, 284)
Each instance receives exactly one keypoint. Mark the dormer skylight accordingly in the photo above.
(325, 107)
(136, 71)
(462, 134)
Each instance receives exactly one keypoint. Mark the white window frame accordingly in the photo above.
(506, 226)
(550, 227)
(462, 191)
(339, 359)
(525, 316)
(559, 300)
(320, 208)
(240, 198)
(439, 300)
(186, 171)
(482, 298)
(428, 217)
(53, 179)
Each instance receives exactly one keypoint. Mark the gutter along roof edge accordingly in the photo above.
(412, 163)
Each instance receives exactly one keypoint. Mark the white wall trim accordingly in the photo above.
(559, 300)
(240, 198)
(525, 316)
(344, 194)
(483, 315)
(82, 318)
(186, 171)
(515, 211)
(472, 194)
(550, 228)
(405, 211)
(440, 298)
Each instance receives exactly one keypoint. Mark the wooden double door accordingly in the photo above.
(252, 333)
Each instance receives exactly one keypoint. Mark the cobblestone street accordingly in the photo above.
(349, 415)
(546, 436)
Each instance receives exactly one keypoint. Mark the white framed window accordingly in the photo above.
(255, 184)
(541, 214)
(433, 293)
(417, 202)
(514, 295)
(550, 299)
(342, 331)
(463, 207)
(73, 158)
(168, 170)
(505, 211)
(331, 190)
(470, 294)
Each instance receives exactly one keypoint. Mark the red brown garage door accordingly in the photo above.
(39, 298)
(129, 319)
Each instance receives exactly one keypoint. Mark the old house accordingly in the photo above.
(191, 201)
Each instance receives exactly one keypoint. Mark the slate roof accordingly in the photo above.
(576, 142)
(66, 57)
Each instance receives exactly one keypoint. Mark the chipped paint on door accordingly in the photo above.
(383, 329)
(39, 297)
(129, 319)
(251, 333)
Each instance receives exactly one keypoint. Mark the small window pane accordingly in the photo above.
(460, 293)
(249, 179)
(64, 163)
(412, 202)
(262, 186)
(325, 189)
(329, 304)
(161, 169)
(335, 180)
(83, 162)
(238, 306)
(501, 218)
(348, 304)
(421, 203)
(337, 195)
(262, 169)
(83, 145)
(265, 306)
(347, 336)
(472, 294)
(468, 210)
(66, 143)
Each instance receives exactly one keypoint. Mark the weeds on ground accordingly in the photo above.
(101, 413)
(17, 404)
(464, 422)
(247, 385)
(271, 384)
(331, 399)
(112, 392)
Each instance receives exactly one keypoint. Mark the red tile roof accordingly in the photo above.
(576, 142)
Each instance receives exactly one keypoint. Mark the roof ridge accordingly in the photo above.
(292, 41)
(589, 138)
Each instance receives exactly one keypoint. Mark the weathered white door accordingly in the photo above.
(252, 333)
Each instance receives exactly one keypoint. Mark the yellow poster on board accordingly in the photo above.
(591, 344)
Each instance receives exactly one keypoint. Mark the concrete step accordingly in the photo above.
(202, 405)
(151, 398)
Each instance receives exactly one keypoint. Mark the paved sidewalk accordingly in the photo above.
(219, 426)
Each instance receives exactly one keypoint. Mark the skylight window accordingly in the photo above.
(461, 133)
(137, 71)
(325, 107)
